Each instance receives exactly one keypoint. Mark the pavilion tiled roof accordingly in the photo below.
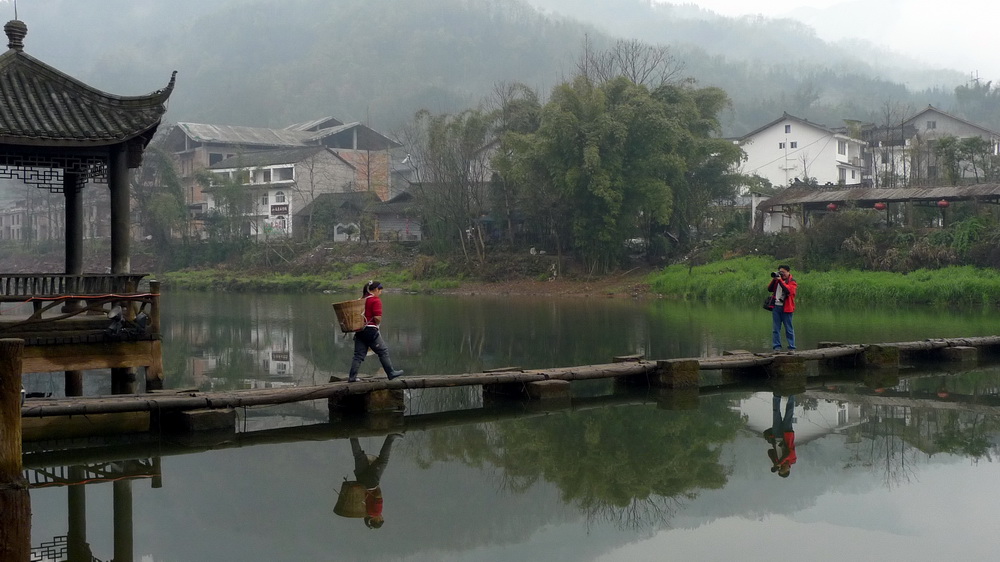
(41, 106)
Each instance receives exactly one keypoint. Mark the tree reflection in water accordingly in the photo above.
(632, 466)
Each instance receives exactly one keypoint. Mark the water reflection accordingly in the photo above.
(362, 497)
(622, 461)
(781, 436)
(485, 481)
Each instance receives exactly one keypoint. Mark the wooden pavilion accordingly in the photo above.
(58, 133)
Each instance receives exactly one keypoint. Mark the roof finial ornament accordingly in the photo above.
(15, 30)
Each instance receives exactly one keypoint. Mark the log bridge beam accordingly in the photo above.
(546, 385)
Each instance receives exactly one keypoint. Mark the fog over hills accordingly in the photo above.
(276, 62)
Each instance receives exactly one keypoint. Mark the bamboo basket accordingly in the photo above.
(351, 501)
(350, 315)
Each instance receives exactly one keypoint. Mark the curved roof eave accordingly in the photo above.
(41, 106)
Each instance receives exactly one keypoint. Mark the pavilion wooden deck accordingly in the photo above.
(64, 322)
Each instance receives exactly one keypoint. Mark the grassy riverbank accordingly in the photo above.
(745, 280)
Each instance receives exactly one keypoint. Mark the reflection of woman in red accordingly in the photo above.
(368, 471)
(781, 462)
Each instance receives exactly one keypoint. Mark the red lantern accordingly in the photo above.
(943, 203)
(832, 207)
(880, 206)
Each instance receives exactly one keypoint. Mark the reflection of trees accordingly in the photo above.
(631, 466)
(967, 434)
(894, 436)
(882, 446)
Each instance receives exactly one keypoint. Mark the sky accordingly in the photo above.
(955, 34)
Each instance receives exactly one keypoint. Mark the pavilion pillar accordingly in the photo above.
(74, 258)
(74, 223)
(118, 183)
(122, 378)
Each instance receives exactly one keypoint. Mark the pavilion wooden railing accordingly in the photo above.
(76, 294)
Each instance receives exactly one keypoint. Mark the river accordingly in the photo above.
(897, 465)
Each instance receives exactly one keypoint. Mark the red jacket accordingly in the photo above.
(790, 287)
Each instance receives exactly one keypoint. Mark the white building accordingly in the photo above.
(277, 185)
(790, 148)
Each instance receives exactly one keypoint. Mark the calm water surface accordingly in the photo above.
(899, 466)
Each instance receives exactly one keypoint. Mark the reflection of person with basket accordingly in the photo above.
(368, 471)
(781, 436)
(369, 336)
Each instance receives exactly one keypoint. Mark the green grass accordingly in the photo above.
(228, 281)
(746, 279)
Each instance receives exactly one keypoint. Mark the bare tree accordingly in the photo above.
(650, 65)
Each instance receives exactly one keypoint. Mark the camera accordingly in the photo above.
(774, 274)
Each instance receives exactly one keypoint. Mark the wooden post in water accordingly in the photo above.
(15, 503)
(154, 372)
(73, 383)
(124, 535)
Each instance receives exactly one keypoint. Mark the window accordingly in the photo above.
(284, 174)
(841, 147)
(843, 174)
(263, 199)
(788, 128)
(931, 125)
(279, 197)
(781, 145)
(854, 174)
(214, 158)
(265, 176)
(793, 144)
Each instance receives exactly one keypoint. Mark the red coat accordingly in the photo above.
(790, 287)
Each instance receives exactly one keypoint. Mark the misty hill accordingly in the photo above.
(276, 62)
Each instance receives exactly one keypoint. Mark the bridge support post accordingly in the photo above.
(376, 401)
(881, 356)
(15, 503)
(960, 354)
(676, 373)
(786, 366)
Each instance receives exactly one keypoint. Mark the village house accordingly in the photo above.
(198, 146)
(905, 154)
(790, 148)
(274, 186)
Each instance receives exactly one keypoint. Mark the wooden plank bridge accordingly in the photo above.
(682, 374)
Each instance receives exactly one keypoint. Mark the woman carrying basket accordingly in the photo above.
(369, 336)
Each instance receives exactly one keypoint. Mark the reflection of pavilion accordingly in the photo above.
(73, 546)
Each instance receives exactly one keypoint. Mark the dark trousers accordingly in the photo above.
(370, 338)
(368, 470)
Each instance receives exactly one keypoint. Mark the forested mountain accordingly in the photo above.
(275, 62)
